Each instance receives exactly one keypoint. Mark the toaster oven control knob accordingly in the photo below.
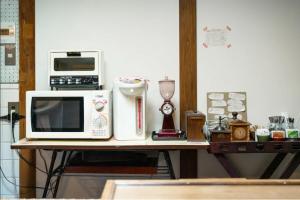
(77, 80)
(61, 81)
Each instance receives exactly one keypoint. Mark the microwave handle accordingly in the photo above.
(73, 53)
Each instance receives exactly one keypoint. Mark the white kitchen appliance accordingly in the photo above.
(76, 69)
(68, 114)
(129, 102)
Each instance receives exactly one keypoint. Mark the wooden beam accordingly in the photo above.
(188, 78)
(26, 82)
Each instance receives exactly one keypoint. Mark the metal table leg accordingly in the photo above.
(60, 171)
(50, 174)
(227, 165)
(291, 167)
(273, 165)
(169, 163)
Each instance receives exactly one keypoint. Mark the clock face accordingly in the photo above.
(167, 109)
(240, 133)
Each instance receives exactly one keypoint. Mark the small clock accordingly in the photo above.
(240, 130)
(167, 108)
(240, 133)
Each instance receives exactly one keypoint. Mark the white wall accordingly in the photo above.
(138, 37)
(263, 61)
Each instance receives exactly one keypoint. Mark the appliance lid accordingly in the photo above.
(131, 86)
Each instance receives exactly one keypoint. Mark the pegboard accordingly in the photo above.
(10, 14)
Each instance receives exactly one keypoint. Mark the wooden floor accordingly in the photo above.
(202, 189)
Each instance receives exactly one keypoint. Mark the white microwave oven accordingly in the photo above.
(76, 68)
(73, 114)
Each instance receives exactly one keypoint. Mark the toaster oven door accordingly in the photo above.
(74, 64)
(83, 63)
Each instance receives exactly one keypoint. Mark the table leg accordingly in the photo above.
(50, 174)
(227, 165)
(273, 165)
(60, 170)
(291, 167)
(169, 163)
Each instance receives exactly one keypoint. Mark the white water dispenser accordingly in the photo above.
(129, 100)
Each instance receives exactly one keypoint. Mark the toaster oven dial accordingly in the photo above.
(61, 81)
(69, 81)
(77, 81)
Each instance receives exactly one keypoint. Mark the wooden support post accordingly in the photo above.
(188, 78)
(26, 82)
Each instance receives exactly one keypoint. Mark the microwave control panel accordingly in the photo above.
(100, 115)
(74, 81)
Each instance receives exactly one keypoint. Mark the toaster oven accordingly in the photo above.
(76, 69)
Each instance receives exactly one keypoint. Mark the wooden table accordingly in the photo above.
(281, 148)
(68, 146)
(201, 189)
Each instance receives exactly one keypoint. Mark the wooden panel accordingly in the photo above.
(188, 78)
(27, 82)
(202, 189)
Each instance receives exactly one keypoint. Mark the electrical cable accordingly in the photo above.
(13, 164)
(44, 160)
(0, 141)
(2, 172)
(51, 185)
(46, 168)
(13, 118)
(24, 159)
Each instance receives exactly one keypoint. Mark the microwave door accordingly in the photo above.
(57, 114)
(43, 117)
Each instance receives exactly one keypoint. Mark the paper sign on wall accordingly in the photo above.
(216, 37)
(224, 103)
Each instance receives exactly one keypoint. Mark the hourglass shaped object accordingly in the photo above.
(167, 89)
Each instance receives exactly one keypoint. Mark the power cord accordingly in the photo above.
(13, 161)
(2, 172)
(13, 117)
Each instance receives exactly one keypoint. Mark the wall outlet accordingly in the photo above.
(12, 105)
